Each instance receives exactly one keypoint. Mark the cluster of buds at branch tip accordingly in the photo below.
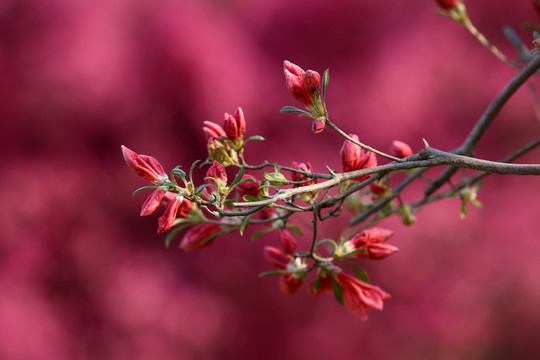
(225, 144)
(306, 87)
(353, 157)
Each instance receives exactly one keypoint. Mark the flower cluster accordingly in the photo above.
(233, 203)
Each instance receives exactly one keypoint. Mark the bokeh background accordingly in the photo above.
(82, 276)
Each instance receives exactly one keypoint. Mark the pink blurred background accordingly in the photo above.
(83, 277)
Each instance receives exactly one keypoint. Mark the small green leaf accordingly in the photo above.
(143, 188)
(260, 233)
(316, 284)
(338, 291)
(295, 229)
(244, 224)
(292, 109)
(191, 170)
(463, 212)
(212, 237)
(238, 178)
(250, 198)
(536, 35)
(173, 233)
(326, 77)
(200, 188)
(276, 178)
(272, 273)
(254, 137)
(178, 173)
(360, 273)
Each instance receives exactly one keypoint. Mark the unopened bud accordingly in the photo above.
(318, 125)
(406, 213)
(400, 149)
(311, 81)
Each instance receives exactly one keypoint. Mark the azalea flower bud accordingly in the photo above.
(308, 197)
(199, 237)
(153, 202)
(218, 172)
(144, 166)
(311, 81)
(373, 240)
(400, 149)
(448, 4)
(378, 188)
(213, 130)
(318, 125)
(350, 154)
(294, 76)
(165, 222)
(275, 257)
(287, 241)
(251, 188)
(359, 296)
(289, 283)
(234, 126)
(321, 285)
(185, 209)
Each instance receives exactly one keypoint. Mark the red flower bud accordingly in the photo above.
(294, 76)
(165, 222)
(289, 284)
(373, 240)
(144, 166)
(448, 4)
(275, 257)
(400, 149)
(249, 187)
(213, 130)
(235, 126)
(350, 154)
(359, 296)
(301, 177)
(218, 172)
(311, 81)
(152, 202)
(324, 286)
(318, 125)
(198, 237)
(287, 241)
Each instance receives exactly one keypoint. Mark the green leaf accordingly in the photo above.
(238, 178)
(173, 233)
(272, 273)
(326, 77)
(295, 229)
(360, 273)
(191, 170)
(144, 188)
(178, 173)
(254, 137)
(536, 35)
(316, 284)
(463, 212)
(212, 237)
(260, 233)
(200, 188)
(250, 198)
(244, 224)
(292, 109)
(338, 291)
